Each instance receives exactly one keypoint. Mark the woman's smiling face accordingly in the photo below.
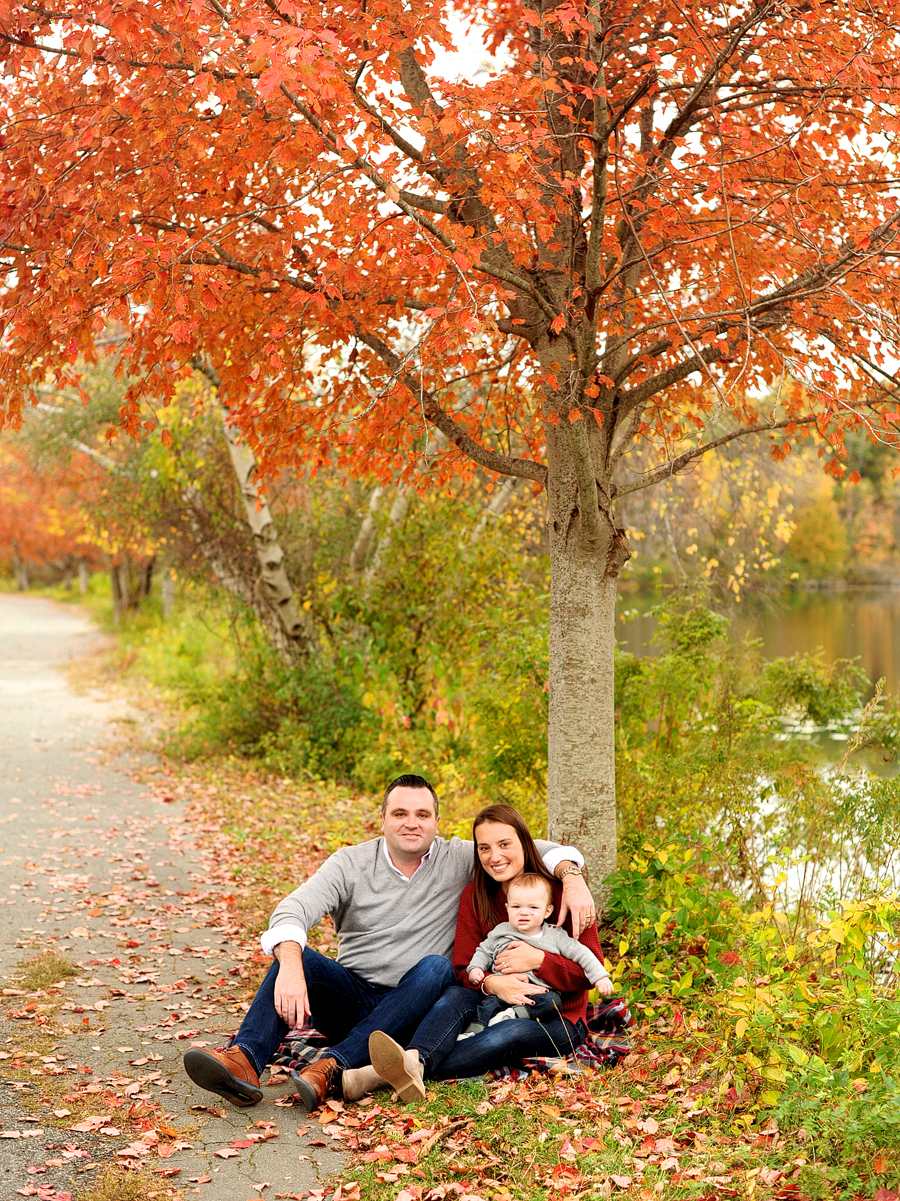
(499, 851)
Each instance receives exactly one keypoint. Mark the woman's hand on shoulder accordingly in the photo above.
(577, 901)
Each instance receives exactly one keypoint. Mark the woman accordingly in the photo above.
(504, 850)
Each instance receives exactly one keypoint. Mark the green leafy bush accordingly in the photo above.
(803, 1010)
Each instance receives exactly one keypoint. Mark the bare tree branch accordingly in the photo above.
(492, 460)
(681, 461)
(627, 437)
(672, 375)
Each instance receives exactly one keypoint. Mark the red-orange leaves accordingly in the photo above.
(268, 82)
(325, 165)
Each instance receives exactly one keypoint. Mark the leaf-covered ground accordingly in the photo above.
(131, 909)
(119, 973)
(668, 1122)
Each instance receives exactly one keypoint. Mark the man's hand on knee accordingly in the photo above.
(291, 997)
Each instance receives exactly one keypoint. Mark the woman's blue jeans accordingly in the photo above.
(345, 1008)
(503, 1045)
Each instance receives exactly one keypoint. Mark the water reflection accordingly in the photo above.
(856, 623)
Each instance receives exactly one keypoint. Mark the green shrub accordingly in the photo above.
(803, 1011)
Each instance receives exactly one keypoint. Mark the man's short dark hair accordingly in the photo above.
(409, 781)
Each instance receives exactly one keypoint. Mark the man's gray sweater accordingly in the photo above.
(385, 923)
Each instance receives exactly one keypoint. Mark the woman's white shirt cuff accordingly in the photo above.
(269, 939)
(552, 859)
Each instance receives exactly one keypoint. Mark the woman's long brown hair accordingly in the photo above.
(488, 889)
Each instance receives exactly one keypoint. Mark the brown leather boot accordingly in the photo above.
(228, 1073)
(315, 1083)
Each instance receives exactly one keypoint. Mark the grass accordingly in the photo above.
(44, 971)
(585, 1136)
(113, 1183)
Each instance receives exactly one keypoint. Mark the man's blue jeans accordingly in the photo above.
(345, 1008)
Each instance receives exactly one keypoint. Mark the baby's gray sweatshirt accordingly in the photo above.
(551, 938)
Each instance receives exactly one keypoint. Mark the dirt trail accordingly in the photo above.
(99, 867)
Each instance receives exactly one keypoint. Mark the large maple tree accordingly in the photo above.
(610, 224)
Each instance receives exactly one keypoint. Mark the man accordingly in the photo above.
(394, 901)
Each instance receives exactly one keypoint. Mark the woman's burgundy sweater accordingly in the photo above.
(559, 973)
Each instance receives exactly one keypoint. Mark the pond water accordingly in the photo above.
(852, 623)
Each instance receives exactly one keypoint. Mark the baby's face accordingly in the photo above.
(528, 908)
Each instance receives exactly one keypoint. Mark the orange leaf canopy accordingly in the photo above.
(656, 212)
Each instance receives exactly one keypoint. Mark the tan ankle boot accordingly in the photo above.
(402, 1070)
(359, 1082)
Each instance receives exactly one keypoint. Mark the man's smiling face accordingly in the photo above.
(409, 823)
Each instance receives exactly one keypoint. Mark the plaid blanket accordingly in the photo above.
(607, 1043)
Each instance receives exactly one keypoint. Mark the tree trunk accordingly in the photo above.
(496, 506)
(21, 569)
(273, 599)
(123, 572)
(367, 532)
(116, 589)
(586, 557)
(396, 517)
(83, 576)
(581, 787)
(232, 579)
(274, 584)
(167, 592)
(147, 577)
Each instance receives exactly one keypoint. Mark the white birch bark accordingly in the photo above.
(496, 506)
(396, 517)
(368, 532)
(274, 583)
(233, 580)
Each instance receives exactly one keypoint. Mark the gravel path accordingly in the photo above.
(98, 866)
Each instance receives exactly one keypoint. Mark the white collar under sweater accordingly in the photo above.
(395, 868)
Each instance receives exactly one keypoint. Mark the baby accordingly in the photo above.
(529, 902)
